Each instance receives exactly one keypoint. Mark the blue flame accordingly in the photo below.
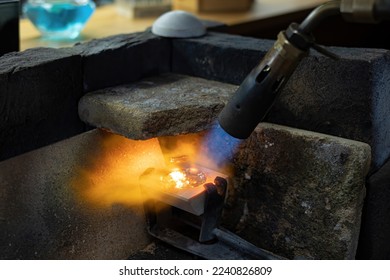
(218, 147)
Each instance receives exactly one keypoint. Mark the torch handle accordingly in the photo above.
(255, 96)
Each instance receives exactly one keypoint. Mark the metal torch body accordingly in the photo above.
(259, 90)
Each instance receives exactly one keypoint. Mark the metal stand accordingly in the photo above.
(199, 235)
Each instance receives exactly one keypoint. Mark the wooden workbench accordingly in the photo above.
(106, 21)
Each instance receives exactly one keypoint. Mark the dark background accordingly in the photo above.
(9, 26)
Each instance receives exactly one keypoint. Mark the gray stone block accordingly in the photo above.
(52, 206)
(163, 105)
(299, 193)
(39, 93)
(123, 58)
(347, 98)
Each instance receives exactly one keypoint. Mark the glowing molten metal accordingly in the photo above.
(183, 178)
(179, 178)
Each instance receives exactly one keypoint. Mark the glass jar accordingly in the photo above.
(59, 19)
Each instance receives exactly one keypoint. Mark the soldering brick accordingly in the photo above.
(299, 193)
(39, 92)
(347, 98)
(168, 104)
(123, 58)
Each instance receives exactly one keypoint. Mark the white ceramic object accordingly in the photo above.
(178, 24)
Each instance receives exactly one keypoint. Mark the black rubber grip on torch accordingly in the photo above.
(257, 93)
(251, 102)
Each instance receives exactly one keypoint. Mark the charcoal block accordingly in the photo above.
(123, 58)
(39, 93)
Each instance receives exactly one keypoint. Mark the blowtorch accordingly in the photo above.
(258, 92)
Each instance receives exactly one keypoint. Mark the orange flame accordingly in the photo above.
(113, 167)
(110, 174)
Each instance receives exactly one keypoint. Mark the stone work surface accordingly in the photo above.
(163, 105)
(346, 98)
(374, 239)
(43, 214)
(298, 193)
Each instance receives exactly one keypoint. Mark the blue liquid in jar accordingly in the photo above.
(59, 20)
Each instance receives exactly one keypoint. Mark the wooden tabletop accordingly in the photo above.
(107, 21)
